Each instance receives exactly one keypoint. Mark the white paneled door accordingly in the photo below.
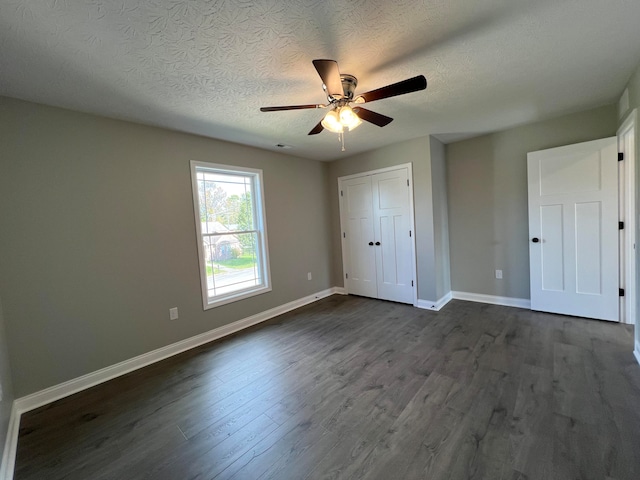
(378, 235)
(358, 237)
(573, 229)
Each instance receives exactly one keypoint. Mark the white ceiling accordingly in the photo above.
(206, 66)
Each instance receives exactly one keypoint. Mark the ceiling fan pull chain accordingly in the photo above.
(341, 139)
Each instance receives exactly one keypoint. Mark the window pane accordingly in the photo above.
(232, 263)
(226, 202)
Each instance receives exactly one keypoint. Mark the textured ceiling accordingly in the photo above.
(206, 66)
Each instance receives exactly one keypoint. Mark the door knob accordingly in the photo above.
(535, 239)
(370, 243)
(377, 243)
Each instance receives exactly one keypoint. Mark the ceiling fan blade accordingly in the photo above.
(372, 117)
(317, 129)
(290, 107)
(330, 75)
(406, 86)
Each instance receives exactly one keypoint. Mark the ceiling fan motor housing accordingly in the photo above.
(349, 84)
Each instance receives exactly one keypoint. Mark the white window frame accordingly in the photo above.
(261, 228)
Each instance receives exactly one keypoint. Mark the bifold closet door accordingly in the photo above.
(377, 235)
(358, 238)
(391, 229)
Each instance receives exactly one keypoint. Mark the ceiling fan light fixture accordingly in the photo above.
(348, 118)
(331, 122)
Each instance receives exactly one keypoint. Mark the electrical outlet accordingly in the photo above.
(173, 313)
(309, 276)
(499, 274)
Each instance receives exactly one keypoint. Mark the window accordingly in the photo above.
(232, 234)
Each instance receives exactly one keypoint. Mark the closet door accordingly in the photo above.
(392, 231)
(358, 239)
(377, 243)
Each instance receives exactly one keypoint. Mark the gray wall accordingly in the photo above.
(98, 238)
(634, 91)
(418, 152)
(6, 382)
(440, 218)
(487, 192)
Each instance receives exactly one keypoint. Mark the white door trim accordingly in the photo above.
(628, 215)
(379, 170)
(414, 267)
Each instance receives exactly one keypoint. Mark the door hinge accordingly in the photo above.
(341, 193)
(620, 156)
(412, 283)
(346, 275)
(407, 182)
(621, 292)
(344, 234)
(620, 225)
(409, 232)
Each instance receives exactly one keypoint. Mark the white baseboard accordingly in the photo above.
(636, 352)
(435, 306)
(506, 301)
(339, 290)
(10, 445)
(75, 385)
(51, 394)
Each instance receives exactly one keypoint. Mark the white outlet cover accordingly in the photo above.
(173, 313)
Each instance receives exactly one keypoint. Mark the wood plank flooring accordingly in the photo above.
(354, 388)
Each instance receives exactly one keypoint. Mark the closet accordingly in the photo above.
(378, 248)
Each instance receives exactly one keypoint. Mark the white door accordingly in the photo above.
(573, 229)
(392, 235)
(377, 243)
(358, 237)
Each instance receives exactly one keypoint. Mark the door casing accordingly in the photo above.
(627, 184)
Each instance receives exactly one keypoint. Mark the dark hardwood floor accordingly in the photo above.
(351, 388)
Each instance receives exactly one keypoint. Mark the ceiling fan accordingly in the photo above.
(340, 94)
